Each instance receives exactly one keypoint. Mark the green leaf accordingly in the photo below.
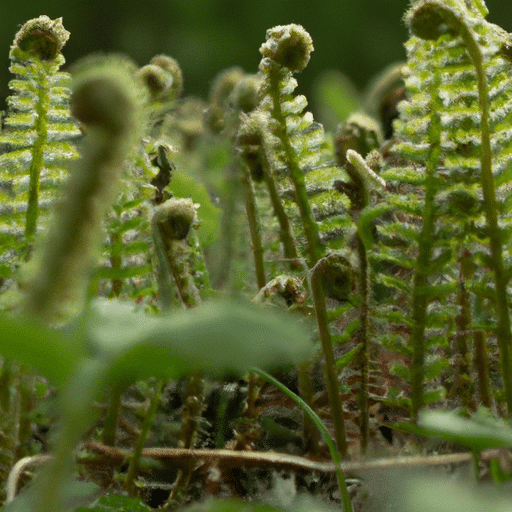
(435, 368)
(209, 215)
(231, 505)
(217, 338)
(477, 433)
(336, 98)
(51, 352)
(116, 503)
(346, 358)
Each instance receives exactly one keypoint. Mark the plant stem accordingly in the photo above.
(364, 290)
(464, 320)
(251, 211)
(481, 362)
(347, 505)
(37, 163)
(133, 468)
(425, 246)
(285, 229)
(329, 366)
(112, 417)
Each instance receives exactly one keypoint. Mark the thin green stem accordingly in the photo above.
(481, 362)
(425, 248)
(37, 163)
(285, 229)
(251, 211)
(364, 288)
(331, 379)
(133, 468)
(112, 417)
(347, 505)
(464, 320)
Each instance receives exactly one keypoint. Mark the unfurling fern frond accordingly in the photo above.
(453, 197)
(37, 137)
(295, 146)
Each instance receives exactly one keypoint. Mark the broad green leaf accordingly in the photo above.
(406, 490)
(218, 338)
(52, 353)
(115, 503)
(477, 433)
(231, 505)
(75, 494)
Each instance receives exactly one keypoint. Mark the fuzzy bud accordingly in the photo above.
(289, 46)
(105, 94)
(163, 78)
(245, 95)
(430, 19)
(41, 37)
(360, 133)
(175, 218)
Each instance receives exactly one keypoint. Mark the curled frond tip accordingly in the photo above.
(289, 46)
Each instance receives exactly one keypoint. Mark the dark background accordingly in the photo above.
(357, 37)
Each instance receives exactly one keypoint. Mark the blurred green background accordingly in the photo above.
(357, 37)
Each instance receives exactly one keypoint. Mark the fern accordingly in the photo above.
(37, 138)
(296, 148)
(458, 84)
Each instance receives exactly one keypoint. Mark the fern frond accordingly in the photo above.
(37, 139)
(298, 151)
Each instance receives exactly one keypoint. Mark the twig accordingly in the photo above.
(16, 471)
(181, 457)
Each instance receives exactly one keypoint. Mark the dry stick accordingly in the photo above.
(182, 458)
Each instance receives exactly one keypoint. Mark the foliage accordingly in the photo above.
(393, 254)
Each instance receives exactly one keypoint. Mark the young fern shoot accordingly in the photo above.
(107, 100)
(36, 139)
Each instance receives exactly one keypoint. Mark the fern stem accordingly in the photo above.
(191, 414)
(116, 243)
(464, 319)
(311, 434)
(331, 379)
(109, 433)
(251, 211)
(481, 362)
(315, 249)
(364, 286)
(285, 229)
(133, 468)
(37, 163)
(425, 246)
